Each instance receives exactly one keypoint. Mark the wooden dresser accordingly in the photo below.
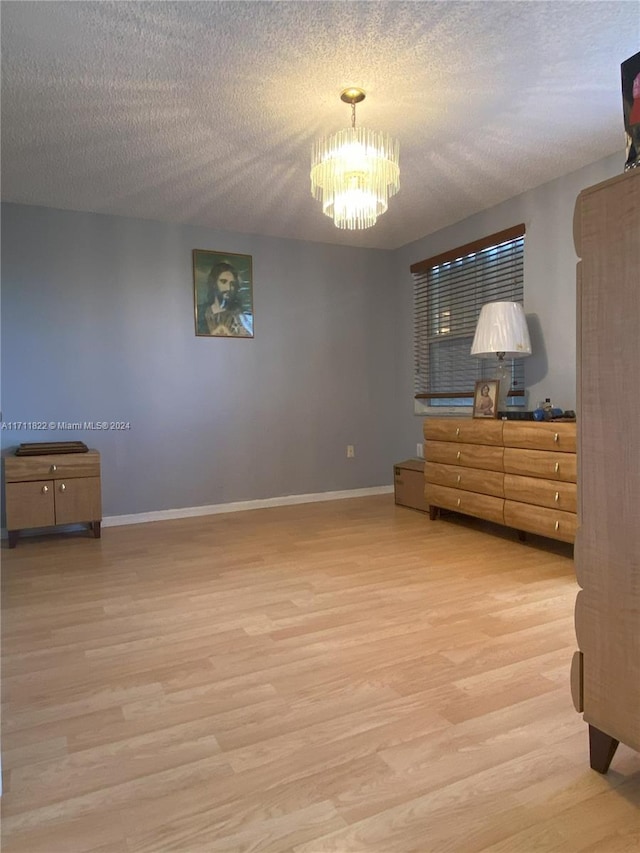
(518, 473)
(41, 491)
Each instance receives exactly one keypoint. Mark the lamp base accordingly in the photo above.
(503, 375)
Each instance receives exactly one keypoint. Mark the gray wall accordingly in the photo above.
(97, 324)
(549, 283)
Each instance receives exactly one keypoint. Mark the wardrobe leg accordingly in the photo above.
(602, 748)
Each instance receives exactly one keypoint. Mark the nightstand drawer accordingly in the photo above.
(21, 468)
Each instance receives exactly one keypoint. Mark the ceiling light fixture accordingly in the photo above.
(355, 171)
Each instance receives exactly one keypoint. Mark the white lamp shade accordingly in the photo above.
(502, 328)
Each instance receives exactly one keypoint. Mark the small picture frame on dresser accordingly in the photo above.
(485, 398)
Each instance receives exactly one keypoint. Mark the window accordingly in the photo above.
(449, 291)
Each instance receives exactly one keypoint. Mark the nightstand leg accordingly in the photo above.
(434, 512)
(95, 526)
(13, 538)
(522, 536)
(602, 748)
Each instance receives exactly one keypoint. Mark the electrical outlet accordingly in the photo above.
(351, 451)
(420, 451)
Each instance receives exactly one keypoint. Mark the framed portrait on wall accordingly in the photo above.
(485, 399)
(223, 294)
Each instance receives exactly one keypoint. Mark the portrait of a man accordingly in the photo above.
(223, 294)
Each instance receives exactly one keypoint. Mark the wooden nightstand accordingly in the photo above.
(41, 491)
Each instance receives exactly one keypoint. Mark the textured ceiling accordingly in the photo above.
(205, 112)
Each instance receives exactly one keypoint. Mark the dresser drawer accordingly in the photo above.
(24, 468)
(550, 493)
(465, 455)
(470, 503)
(547, 522)
(540, 463)
(560, 437)
(469, 479)
(463, 430)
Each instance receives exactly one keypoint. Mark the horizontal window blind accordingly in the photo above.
(449, 291)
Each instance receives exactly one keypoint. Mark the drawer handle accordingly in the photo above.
(556, 437)
(458, 455)
(63, 488)
(53, 468)
(458, 502)
(458, 479)
(457, 430)
(557, 497)
(557, 525)
(556, 467)
(45, 489)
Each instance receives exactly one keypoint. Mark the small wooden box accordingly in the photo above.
(408, 484)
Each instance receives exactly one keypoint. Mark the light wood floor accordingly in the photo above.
(343, 676)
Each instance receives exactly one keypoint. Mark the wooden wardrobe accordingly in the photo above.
(605, 676)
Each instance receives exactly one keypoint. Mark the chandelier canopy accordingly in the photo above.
(355, 171)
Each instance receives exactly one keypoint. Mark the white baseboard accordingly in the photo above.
(239, 506)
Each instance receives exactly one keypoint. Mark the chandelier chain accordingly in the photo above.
(353, 114)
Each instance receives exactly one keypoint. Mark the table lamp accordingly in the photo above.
(502, 333)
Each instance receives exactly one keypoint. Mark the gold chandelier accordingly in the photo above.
(355, 171)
